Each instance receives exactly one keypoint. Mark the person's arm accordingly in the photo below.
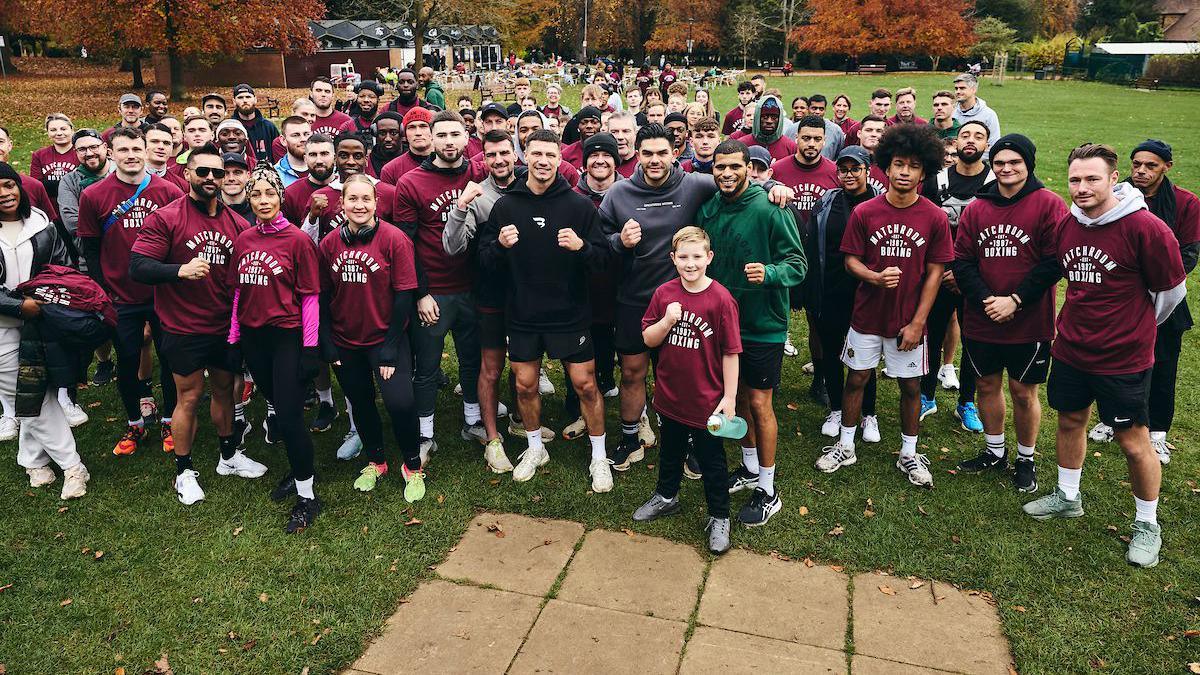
(729, 376)
(68, 201)
(492, 256)
(146, 270)
(235, 329)
(402, 310)
(788, 265)
(966, 261)
(461, 224)
(656, 333)
(1189, 253)
(91, 255)
(888, 278)
(910, 335)
(596, 253)
(325, 328)
(310, 320)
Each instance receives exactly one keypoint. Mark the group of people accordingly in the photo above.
(634, 241)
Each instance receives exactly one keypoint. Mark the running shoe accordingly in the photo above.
(968, 415)
(576, 429)
(285, 488)
(808, 368)
(789, 349)
(1162, 450)
(718, 535)
(427, 447)
(458, 389)
(611, 391)
(833, 424)
(817, 392)
(75, 414)
(129, 442)
(916, 469)
(602, 480)
(1055, 505)
(75, 480)
(742, 479)
(311, 398)
(834, 457)
(187, 487)
(928, 406)
(148, 408)
(645, 433)
(530, 461)
(1101, 433)
(626, 454)
(474, 432)
(270, 428)
(691, 468)
(324, 418)
(760, 508)
(10, 428)
(1144, 544)
(656, 507)
(496, 458)
(303, 515)
(104, 373)
(414, 484)
(241, 466)
(369, 476)
(40, 476)
(351, 446)
(167, 438)
(948, 377)
(982, 462)
(545, 386)
(516, 429)
(870, 429)
(1025, 476)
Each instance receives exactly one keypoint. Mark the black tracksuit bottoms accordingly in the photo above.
(708, 450)
(359, 374)
(1167, 347)
(833, 323)
(273, 356)
(127, 342)
(940, 316)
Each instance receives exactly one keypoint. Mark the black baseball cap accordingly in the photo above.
(493, 108)
(243, 89)
(234, 158)
(214, 96)
(856, 153)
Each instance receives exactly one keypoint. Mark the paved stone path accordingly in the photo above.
(520, 595)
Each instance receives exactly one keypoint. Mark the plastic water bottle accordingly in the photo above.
(727, 427)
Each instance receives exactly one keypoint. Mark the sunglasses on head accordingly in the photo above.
(206, 171)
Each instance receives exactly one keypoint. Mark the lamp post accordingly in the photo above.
(585, 31)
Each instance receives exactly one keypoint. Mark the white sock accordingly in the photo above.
(350, 415)
(471, 412)
(304, 488)
(846, 437)
(766, 479)
(239, 411)
(534, 439)
(750, 459)
(1068, 482)
(1146, 511)
(1158, 435)
(995, 444)
(270, 409)
(139, 422)
(426, 426)
(326, 395)
(908, 445)
(164, 420)
(598, 451)
(1024, 451)
(64, 398)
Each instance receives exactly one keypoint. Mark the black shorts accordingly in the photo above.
(1026, 362)
(760, 365)
(576, 347)
(1121, 400)
(628, 339)
(491, 330)
(188, 353)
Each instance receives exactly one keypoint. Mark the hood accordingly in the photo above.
(991, 191)
(1129, 200)
(520, 149)
(676, 177)
(978, 109)
(758, 135)
(596, 195)
(428, 165)
(520, 187)
(433, 84)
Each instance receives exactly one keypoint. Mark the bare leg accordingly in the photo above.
(529, 401)
(490, 366)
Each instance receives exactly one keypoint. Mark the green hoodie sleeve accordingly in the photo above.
(788, 265)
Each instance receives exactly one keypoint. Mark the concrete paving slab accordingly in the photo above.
(512, 552)
(713, 651)
(571, 638)
(869, 665)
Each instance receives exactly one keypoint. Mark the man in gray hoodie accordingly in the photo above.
(971, 108)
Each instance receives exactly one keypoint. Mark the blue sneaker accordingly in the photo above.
(928, 406)
(351, 446)
(969, 416)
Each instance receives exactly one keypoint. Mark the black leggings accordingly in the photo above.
(358, 375)
(273, 357)
(940, 315)
(832, 326)
(127, 342)
(709, 452)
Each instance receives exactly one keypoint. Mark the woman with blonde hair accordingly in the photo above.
(51, 163)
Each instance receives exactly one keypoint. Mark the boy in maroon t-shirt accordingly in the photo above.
(897, 244)
(1124, 277)
(1006, 268)
(693, 323)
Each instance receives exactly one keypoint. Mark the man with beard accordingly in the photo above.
(733, 118)
(130, 107)
(545, 240)
(623, 126)
(325, 212)
(213, 108)
(807, 172)
(197, 131)
(587, 121)
(158, 162)
(834, 138)
(232, 137)
(768, 130)
(419, 139)
(423, 197)
(705, 139)
(953, 188)
(156, 100)
(318, 157)
(677, 124)
(389, 134)
(491, 116)
(306, 110)
(329, 120)
(906, 104)
(406, 94)
(184, 250)
(260, 131)
(943, 115)
(1180, 210)
(365, 107)
(762, 260)
(1006, 267)
(94, 165)
(111, 214)
(292, 166)
(869, 134)
(434, 94)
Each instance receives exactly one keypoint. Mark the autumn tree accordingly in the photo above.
(933, 28)
(745, 26)
(679, 21)
(782, 17)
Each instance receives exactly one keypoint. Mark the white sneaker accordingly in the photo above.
(531, 460)
(518, 431)
(1162, 450)
(41, 476)
(240, 465)
(149, 408)
(458, 389)
(576, 429)
(75, 481)
(75, 414)
(496, 458)
(834, 457)
(9, 428)
(948, 377)
(427, 447)
(613, 393)
(601, 475)
(645, 433)
(870, 428)
(789, 349)
(833, 424)
(916, 468)
(188, 488)
(545, 386)
(808, 368)
(1101, 433)
(501, 409)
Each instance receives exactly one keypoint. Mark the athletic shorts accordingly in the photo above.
(188, 353)
(492, 332)
(628, 330)
(1121, 400)
(760, 365)
(1027, 362)
(862, 352)
(524, 347)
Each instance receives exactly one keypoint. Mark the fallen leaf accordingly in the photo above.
(66, 602)
(304, 670)
(412, 521)
(837, 531)
(110, 419)
(804, 510)
(887, 590)
(494, 481)
(5, 587)
(1191, 633)
(118, 671)
(955, 538)
(535, 498)
(95, 404)
(1095, 454)
(316, 639)
(627, 531)
(247, 646)
(232, 635)
(162, 666)
(1019, 608)
(263, 597)
(441, 499)
(868, 513)
(197, 600)
(1111, 528)
(952, 472)
(836, 568)
(808, 562)
(944, 451)
(1012, 671)
(921, 510)
(1097, 663)
(237, 531)
(63, 509)
(917, 583)
(365, 529)
(98, 555)
(85, 550)
(1194, 667)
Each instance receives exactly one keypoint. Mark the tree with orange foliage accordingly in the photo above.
(934, 28)
(683, 20)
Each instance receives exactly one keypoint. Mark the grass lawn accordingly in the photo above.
(219, 588)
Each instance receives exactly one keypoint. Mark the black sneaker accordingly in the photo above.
(241, 429)
(270, 430)
(760, 508)
(326, 414)
(443, 380)
(1025, 477)
(691, 468)
(104, 373)
(311, 399)
(742, 479)
(626, 453)
(285, 488)
(984, 461)
(304, 513)
(816, 391)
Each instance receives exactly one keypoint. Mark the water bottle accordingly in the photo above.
(727, 427)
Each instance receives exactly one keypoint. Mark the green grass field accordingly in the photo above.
(219, 588)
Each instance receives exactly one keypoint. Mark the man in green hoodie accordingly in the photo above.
(768, 129)
(433, 91)
(759, 257)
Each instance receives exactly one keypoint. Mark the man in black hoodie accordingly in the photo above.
(547, 240)
(260, 130)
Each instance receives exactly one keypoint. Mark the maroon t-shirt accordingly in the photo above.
(1187, 216)
(781, 148)
(273, 272)
(733, 121)
(177, 233)
(332, 216)
(627, 167)
(176, 179)
(96, 204)
(1106, 326)
(49, 165)
(808, 182)
(362, 278)
(877, 179)
(1007, 242)
(394, 170)
(295, 200)
(38, 196)
(850, 127)
(573, 154)
(69, 287)
(425, 197)
(882, 236)
(331, 124)
(689, 380)
(474, 146)
(278, 149)
(917, 120)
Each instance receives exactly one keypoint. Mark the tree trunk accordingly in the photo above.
(420, 23)
(935, 59)
(135, 65)
(175, 68)
(6, 54)
(745, 57)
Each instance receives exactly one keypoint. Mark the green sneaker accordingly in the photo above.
(1144, 545)
(1055, 505)
(414, 485)
(369, 477)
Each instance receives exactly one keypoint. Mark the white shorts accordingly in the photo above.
(861, 352)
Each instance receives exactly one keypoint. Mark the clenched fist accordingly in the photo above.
(569, 240)
(631, 233)
(509, 236)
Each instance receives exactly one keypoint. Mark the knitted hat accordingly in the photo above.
(1156, 146)
(601, 142)
(1020, 145)
(418, 114)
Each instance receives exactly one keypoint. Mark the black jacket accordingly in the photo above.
(828, 285)
(547, 284)
(262, 134)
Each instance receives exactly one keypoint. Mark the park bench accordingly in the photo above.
(1145, 83)
(510, 93)
(776, 70)
(873, 68)
(272, 107)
